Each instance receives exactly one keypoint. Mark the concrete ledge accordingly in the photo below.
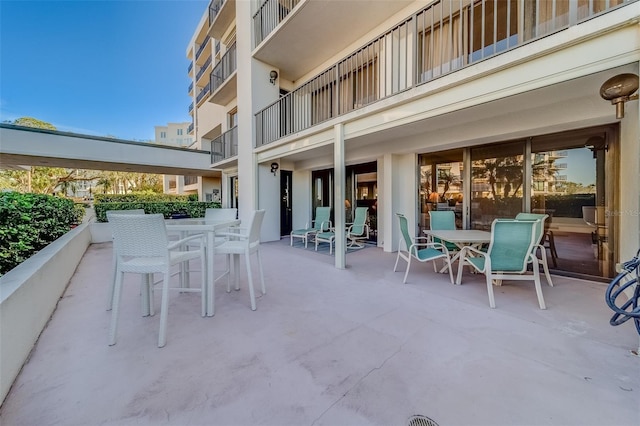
(28, 296)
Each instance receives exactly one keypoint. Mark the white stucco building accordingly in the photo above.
(490, 107)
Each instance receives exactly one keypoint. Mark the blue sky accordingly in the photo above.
(107, 68)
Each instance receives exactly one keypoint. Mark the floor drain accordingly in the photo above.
(421, 421)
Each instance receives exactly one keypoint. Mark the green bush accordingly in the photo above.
(191, 209)
(141, 198)
(29, 222)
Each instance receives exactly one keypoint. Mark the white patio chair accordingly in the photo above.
(246, 242)
(113, 256)
(143, 247)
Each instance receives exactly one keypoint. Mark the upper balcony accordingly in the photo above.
(203, 54)
(190, 129)
(201, 79)
(225, 146)
(221, 14)
(223, 81)
(439, 39)
(203, 94)
(279, 24)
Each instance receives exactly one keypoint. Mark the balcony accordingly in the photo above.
(223, 78)
(204, 92)
(190, 90)
(278, 25)
(190, 129)
(200, 56)
(224, 146)
(351, 346)
(421, 48)
(190, 107)
(190, 68)
(190, 180)
(203, 71)
(222, 13)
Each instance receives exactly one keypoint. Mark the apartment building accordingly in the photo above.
(485, 107)
(180, 135)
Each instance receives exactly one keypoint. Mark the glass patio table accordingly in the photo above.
(210, 227)
(461, 238)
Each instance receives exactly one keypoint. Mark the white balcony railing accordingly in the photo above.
(443, 37)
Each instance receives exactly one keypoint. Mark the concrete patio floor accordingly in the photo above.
(333, 347)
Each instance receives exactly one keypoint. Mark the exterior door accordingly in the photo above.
(285, 202)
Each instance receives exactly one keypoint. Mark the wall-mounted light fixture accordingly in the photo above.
(273, 76)
(274, 168)
(618, 90)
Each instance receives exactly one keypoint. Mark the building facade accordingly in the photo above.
(482, 107)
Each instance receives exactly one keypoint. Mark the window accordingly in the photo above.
(233, 118)
(179, 132)
(163, 135)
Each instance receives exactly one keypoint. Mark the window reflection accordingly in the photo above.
(497, 189)
(441, 185)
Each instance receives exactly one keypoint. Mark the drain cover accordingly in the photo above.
(421, 421)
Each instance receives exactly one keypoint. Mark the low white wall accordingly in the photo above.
(29, 294)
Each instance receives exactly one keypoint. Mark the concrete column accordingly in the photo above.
(339, 195)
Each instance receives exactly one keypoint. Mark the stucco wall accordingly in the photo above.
(28, 296)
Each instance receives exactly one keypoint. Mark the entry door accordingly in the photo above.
(285, 202)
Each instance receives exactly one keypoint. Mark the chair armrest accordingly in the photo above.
(178, 243)
(473, 250)
(232, 234)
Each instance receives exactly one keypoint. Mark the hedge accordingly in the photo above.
(190, 209)
(142, 198)
(29, 222)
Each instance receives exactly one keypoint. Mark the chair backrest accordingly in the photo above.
(323, 218)
(255, 226)
(359, 221)
(512, 242)
(442, 220)
(404, 230)
(221, 214)
(138, 235)
(132, 211)
(539, 230)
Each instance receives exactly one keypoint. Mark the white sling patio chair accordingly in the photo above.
(143, 247)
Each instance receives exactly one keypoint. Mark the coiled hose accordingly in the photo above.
(629, 277)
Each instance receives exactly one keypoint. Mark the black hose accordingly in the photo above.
(628, 277)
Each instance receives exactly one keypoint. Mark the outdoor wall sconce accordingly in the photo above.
(273, 75)
(274, 168)
(618, 90)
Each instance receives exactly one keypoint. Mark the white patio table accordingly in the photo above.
(210, 227)
(460, 237)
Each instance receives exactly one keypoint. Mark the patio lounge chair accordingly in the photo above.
(321, 223)
(419, 248)
(510, 251)
(143, 247)
(540, 227)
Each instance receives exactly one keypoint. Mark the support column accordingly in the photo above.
(339, 196)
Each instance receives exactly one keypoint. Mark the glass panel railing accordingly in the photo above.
(202, 46)
(214, 9)
(205, 91)
(224, 68)
(225, 146)
(203, 68)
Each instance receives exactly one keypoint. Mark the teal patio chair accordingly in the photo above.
(510, 251)
(419, 248)
(539, 230)
(321, 223)
(358, 231)
(441, 221)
